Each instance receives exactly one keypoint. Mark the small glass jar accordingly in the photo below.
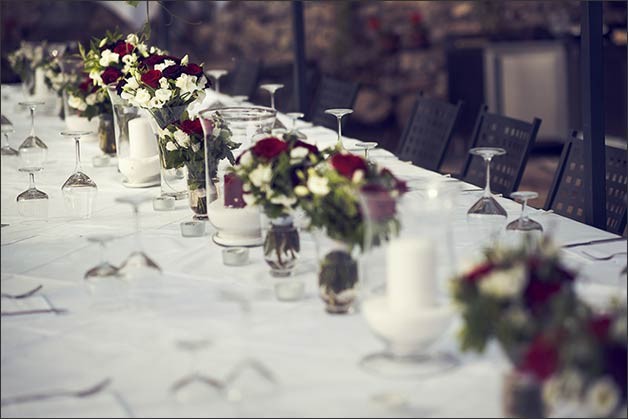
(282, 246)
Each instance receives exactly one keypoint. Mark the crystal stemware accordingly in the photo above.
(187, 388)
(272, 89)
(104, 268)
(138, 259)
(32, 202)
(366, 146)
(216, 75)
(487, 204)
(294, 116)
(33, 151)
(79, 190)
(339, 113)
(6, 149)
(524, 223)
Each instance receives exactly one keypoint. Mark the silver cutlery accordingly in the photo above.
(602, 257)
(36, 311)
(616, 239)
(82, 393)
(22, 295)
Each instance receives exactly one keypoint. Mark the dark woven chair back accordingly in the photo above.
(244, 79)
(332, 93)
(513, 135)
(567, 194)
(428, 132)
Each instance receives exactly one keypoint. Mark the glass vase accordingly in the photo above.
(247, 124)
(200, 195)
(282, 246)
(337, 273)
(522, 396)
(173, 173)
(135, 145)
(106, 135)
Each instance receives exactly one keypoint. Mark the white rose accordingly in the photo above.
(261, 175)
(602, 397)
(301, 190)
(283, 200)
(318, 185)
(358, 175)
(196, 147)
(142, 49)
(127, 96)
(166, 63)
(155, 103)
(77, 103)
(504, 283)
(298, 153)
(163, 83)
(186, 83)
(91, 99)
(129, 59)
(131, 83)
(107, 57)
(142, 97)
(96, 76)
(246, 158)
(163, 94)
(248, 199)
(182, 138)
(170, 146)
(132, 39)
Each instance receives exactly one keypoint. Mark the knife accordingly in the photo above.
(615, 239)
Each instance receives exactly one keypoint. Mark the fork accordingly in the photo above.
(605, 257)
(22, 295)
(86, 392)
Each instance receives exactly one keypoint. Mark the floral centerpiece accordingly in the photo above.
(26, 60)
(87, 98)
(331, 199)
(514, 294)
(273, 172)
(184, 142)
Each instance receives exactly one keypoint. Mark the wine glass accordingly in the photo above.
(216, 75)
(32, 202)
(367, 146)
(33, 150)
(272, 88)
(6, 149)
(524, 223)
(184, 388)
(138, 259)
(294, 131)
(339, 113)
(104, 268)
(79, 190)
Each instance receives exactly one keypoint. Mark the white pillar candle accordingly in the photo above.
(411, 275)
(142, 139)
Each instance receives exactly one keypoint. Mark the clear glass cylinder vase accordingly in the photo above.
(282, 246)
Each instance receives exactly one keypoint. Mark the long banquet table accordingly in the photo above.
(230, 312)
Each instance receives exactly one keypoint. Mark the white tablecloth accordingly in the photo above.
(314, 356)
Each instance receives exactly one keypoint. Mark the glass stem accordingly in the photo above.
(272, 100)
(136, 213)
(339, 130)
(524, 210)
(487, 188)
(31, 180)
(32, 121)
(6, 140)
(102, 253)
(217, 85)
(78, 154)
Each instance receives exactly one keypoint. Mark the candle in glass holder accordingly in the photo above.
(233, 191)
(142, 139)
(411, 275)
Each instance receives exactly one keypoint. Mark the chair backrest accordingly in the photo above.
(332, 93)
(243, 80)
(428, 132)
(513, 135)
(567, 194)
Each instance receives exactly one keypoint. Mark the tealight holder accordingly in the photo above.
(101, 161)
(235, 256)
(192, 228)
(289, 289)
(164, 203)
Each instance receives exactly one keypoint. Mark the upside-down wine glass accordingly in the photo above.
(6, 149)
(216, 75)
(366, 146)
(138, 259)
(487, 205)
(272, 88)
(339, 113)
(79, 190)
(33, 151)
(524, 223)
(293, 130)
(104, 268)
(32, 202)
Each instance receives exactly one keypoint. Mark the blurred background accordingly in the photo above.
(521, 58)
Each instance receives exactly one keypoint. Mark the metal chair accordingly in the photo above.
(567, 195)
(332, 93)
(513, 135)
(427, 135)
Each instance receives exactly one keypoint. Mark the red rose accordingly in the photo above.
(600, 325)
(111, 75)
(122, 48)
(151, 78)
(538, 293)
(348, 164)
(234, 191)
(154, 59)
(311, 148)
(172, 72)
(269, 148)
(191, 126)
(87, 85)
(379, 205)
(193, 69)
(479, 272)
(540, 358)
